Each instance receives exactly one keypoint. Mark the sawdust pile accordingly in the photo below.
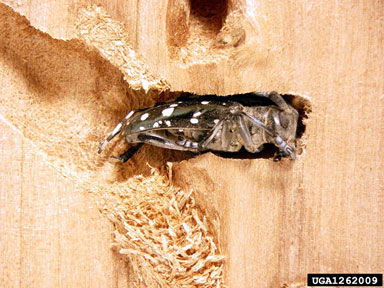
(57, 94)
(109, 37)
(161, 224)
(159, 227)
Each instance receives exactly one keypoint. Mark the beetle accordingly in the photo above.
(217, 125)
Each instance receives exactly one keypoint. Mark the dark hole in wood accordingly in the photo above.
(210, 13)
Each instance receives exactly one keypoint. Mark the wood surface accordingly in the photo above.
(52, 234)
(278, 221)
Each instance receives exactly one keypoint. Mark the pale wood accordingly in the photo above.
(52, 234)
(279, 221)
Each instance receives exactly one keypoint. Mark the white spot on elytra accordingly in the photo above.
(144, 116)
(167, 112)
(142, 128)
(216, 121)
(173, 105)
(117, 129)
(155, 125)
(197, 114)
(129, 115)
(168, 123)
(204, 102)
(161, 122)
(194, 121)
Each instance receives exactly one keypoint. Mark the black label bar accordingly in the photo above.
(347, 280)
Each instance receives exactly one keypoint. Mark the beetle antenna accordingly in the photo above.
(259, 124)
(116, 131)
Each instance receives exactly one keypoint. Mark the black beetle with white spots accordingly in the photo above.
(211, 125)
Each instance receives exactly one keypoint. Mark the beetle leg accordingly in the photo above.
(211, 134)
(226, 135)
(259, 149)
(186, 143)
(129, 153)
(117, 129)
(151, 138)
(284, 147)
(278, 155)
(244, 133)
(161, 141)
(275, 98)
(278, 141)
(181, 141)
(259, 124)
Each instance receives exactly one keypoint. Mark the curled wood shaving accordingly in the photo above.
(159, 227)
(162, 225)
(97, 29)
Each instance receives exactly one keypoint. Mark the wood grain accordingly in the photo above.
(279, 221)
(52, 235)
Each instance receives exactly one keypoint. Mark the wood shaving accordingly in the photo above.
(161, 225)
(58, 105)
(99, 30)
